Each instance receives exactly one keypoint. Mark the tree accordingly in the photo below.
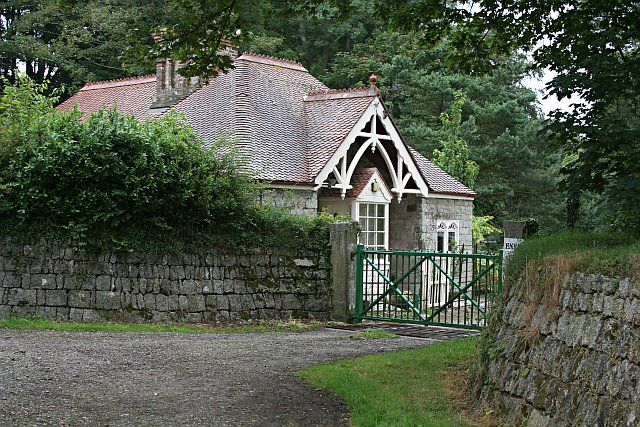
(69, 42)
(593, 47)
(518, 172)
(453, 154)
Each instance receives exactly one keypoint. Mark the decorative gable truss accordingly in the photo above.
(375, 132)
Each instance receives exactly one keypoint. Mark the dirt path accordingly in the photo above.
(80, 378)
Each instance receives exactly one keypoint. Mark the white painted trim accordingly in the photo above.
(398, 177)
(344, 147)
(448, 196)
(447, 222)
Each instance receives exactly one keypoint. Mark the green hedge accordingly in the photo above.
(136, 186)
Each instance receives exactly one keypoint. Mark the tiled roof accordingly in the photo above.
(130, 95)
(438, 180)
(359, 180)
(285, 123)
(259, 104)
(330, 116)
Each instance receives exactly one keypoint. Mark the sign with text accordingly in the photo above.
(510, 244)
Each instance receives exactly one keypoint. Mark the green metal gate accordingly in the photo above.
(446, 289)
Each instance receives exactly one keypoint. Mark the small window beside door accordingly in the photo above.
(447, 236)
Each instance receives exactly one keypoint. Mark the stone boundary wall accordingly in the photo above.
(568, 357)
(209, 285)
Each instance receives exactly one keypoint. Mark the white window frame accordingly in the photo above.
(361, 238)
(447, 227)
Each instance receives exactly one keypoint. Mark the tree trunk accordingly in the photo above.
(573, 208)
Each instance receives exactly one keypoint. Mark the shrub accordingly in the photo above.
(20, 104)
(135, 186)
(112, 170)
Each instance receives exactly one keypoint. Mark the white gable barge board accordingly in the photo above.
(338, 161)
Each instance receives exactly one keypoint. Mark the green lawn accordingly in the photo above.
(407, 388)
(249, 327)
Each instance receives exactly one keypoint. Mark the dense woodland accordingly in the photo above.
(451, 79)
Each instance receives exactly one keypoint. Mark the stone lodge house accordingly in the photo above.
(317, 148)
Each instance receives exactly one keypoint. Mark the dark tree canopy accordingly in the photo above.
(593, 46)
(70, 42)
(423, 52)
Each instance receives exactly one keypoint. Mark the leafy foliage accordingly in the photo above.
(593, 47)
(610, 253)
(69, 42)
(112, 170)
(481, 227)
(196, 32)
(453, 156)
(20, 104)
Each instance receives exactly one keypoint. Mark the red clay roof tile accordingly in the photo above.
(285, 123)
(129, 95)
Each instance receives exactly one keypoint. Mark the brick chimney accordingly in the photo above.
(172, 87)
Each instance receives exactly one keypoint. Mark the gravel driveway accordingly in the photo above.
(79, 378)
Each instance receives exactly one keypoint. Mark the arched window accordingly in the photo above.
(447, 236)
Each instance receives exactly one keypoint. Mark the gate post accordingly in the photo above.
(500, 272)
(359, 283)
(343, 238)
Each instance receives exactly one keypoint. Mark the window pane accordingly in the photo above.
(372, 224)
(440, 242)
(381, 211)
(452, 241)
(363, 209)
(381, 239)
(363, 223)
(381, 224)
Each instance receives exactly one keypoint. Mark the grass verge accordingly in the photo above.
(186, 328)
(406, 388)
(611, 254)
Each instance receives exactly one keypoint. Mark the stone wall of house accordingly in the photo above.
(434, 209)
(567, 353)
(413, 221)
(405, 227)
(206, 285)
(303, 202)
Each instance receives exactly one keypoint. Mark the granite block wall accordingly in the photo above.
(571, 357)
(434, 209)
(298, 201)
(414, 220)
(211, 284)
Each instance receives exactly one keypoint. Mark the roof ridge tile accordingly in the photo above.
(275, 60)
(118, 82)
(320, 95)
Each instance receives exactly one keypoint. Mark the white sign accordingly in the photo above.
(510, 244)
